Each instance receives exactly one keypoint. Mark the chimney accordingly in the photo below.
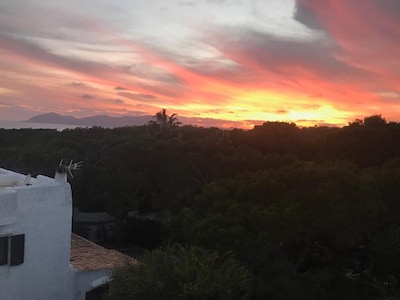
(61, 175)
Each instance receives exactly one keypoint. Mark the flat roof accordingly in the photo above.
(88, 256)
(13, 179)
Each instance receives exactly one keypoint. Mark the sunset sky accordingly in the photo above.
(231, 62)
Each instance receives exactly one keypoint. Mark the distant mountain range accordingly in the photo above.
(103, 120)
(111, 122)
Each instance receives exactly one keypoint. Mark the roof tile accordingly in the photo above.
(88, 256)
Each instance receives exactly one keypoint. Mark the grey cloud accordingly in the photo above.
(147, 96)
(167, 91)
(78, 84)
(391, 7)
(277, 55)
(139, 96)
(34, 52)
(87, 96)
(305, 15)
(147, 71)
(119, 88)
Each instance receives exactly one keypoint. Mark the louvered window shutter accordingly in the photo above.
(3, 250)
(17, 249)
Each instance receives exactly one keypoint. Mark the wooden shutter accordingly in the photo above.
(17, 249)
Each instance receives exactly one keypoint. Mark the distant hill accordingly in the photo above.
(103, 120)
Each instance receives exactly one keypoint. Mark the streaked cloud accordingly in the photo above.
(310, 61)
(78, 84)
(119, 88)
(118, 101)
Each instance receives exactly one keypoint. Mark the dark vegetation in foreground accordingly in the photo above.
(311, 213)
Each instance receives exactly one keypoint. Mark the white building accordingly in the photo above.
(38, 258)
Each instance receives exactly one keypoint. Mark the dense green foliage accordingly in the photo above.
(312, 213)
(177, 272)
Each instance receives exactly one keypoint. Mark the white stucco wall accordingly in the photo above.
(43, 212)
(8, 210)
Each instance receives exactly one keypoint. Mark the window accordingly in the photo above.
(12, 249)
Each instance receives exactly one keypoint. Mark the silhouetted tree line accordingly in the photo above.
(312, 213)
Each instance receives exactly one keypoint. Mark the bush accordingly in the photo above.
(178, 272)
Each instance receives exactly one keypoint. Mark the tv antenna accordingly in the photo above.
(70, 166)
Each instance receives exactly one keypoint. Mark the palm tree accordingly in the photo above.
(164, 122)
